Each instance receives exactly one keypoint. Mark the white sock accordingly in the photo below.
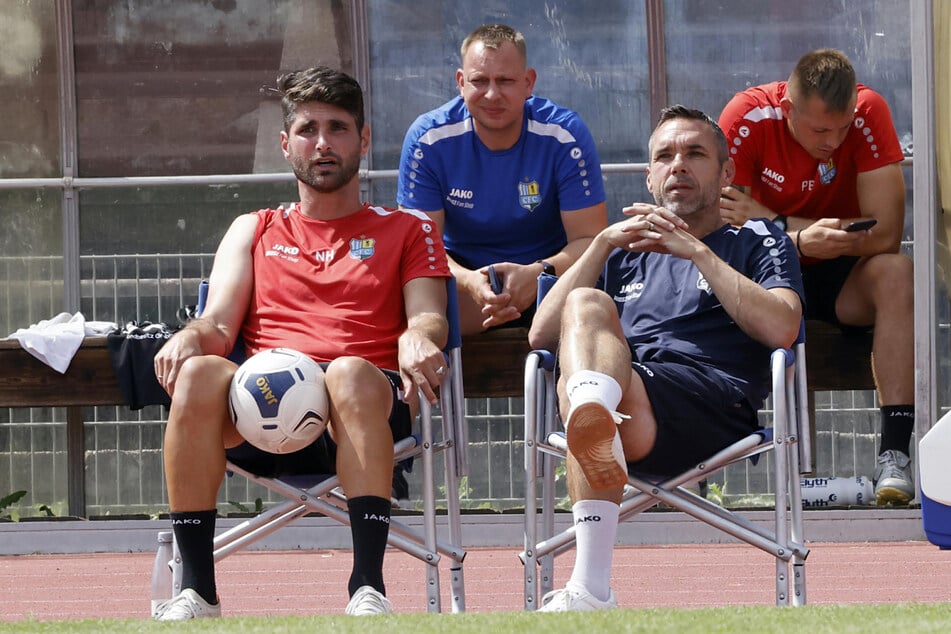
(587, 384)
(596, 531)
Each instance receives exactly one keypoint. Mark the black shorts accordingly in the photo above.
(321, 455)
(822, 283)
(698, 413)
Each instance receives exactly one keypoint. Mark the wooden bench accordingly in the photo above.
(492, 363)
(492, 367)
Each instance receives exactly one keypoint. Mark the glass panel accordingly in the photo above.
(31, 257)
(29, 108)
(942, 136)
(717, 49)
(146, 249)
(592, 61)
(168, 88)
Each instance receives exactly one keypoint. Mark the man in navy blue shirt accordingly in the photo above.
(512, 180)
(664, 328)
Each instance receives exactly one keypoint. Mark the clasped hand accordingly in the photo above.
(519, 284)
(650, 228)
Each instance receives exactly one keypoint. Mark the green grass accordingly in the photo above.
(917, 618)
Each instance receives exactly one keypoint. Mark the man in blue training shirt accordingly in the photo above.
(664, 329)
(512, 180)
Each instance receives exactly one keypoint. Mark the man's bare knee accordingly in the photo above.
(585, 304)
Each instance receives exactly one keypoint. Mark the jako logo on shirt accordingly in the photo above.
(772, 178)
(362, 248)
(284, 252)
(461, 198)
(629, 292)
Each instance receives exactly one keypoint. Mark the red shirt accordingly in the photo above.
(783, 176)
(332, 288)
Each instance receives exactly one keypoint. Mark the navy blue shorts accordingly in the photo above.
(822, 283)
(321, 455)
(698, 413)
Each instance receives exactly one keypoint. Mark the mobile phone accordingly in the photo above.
(495, 281)
(861, 225)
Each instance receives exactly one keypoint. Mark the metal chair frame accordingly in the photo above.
(788, 439)
(321, 493)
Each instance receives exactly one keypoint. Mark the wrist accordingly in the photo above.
(799, 244)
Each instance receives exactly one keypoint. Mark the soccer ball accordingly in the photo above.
(278, 400)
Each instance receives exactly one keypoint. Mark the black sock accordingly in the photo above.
(369, 526)
(195, 536)
(898, 422)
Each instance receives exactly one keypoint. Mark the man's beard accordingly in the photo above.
(685, 208)
(309, 174)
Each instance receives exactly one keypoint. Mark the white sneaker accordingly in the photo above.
(566, 600)
(593, 439)
(187, 605)
(367, 601)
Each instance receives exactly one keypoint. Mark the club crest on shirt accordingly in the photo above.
(702, 283)
(362, 248)
(529, 194)
(827, 172)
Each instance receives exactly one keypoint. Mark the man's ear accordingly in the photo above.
(284, 140)
(728, 173)
(530, 77)
(786, 106)
(365, 139)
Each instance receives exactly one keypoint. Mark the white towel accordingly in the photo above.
(55, 341)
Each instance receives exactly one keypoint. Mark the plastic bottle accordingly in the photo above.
(827, 492)
(161, 571)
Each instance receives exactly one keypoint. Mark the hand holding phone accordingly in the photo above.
(495, 281)
(861, 225)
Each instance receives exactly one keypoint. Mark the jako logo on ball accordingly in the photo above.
(278, 400)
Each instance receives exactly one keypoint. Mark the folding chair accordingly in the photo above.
(788, 439)
(321, 493)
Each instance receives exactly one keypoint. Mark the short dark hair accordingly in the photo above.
(493, 36)
(679, 111)
(827, 74)
(321, 84)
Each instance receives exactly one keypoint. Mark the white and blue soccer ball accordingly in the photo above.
(278, 400)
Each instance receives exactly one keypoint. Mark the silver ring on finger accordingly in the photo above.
(441, 370)
(650, 226)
